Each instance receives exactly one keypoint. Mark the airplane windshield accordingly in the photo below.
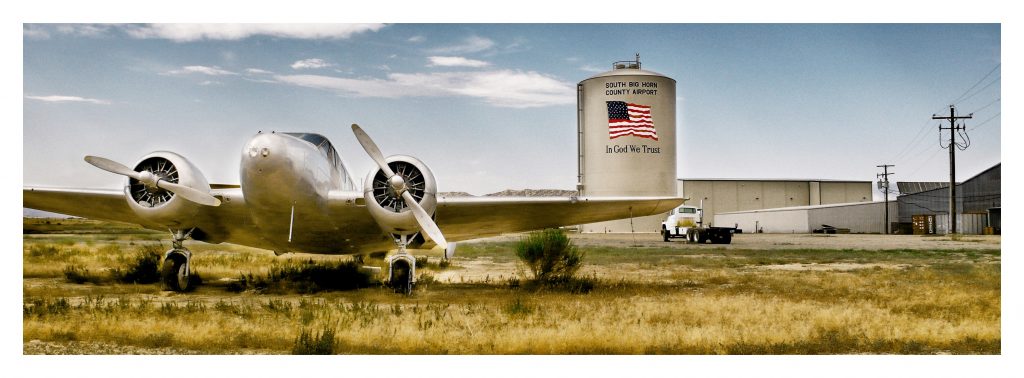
(327, 150)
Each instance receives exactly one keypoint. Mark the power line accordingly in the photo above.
(987, 105)
(914, 141)
(996, 80)
(985, 121)
(925, 162)
(976, 84)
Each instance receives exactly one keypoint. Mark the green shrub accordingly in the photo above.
(550, 255)
(309, 343)
(80, 275)
(143, 269)
(306, 277)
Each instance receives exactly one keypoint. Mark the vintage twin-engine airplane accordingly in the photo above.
(296, 195)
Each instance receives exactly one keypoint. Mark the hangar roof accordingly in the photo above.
(770, 179)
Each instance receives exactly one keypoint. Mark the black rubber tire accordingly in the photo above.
(174, 273)
(401, 277)
(702, 237)
(664, 233)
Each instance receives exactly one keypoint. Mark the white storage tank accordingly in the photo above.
(627, 139)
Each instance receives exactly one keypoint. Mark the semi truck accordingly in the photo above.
(688, 222)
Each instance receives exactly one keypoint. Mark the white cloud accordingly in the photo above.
(313, 63)
(456, 61)
(35, 31)
(590, 68)
(205, 70)
(195, 32)
(210, 82)
(504, 88)
(59, 98)
(417, 39)
(83, 30)
(471, 44)
(257, 71)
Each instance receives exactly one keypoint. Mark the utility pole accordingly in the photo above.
(953, 128)
(883, 183)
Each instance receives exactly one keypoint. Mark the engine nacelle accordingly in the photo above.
(160, 206)
(389, 210)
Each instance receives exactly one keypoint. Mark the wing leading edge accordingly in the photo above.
(462, 218)
(105, 204)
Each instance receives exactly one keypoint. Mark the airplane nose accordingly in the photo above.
(259, 147)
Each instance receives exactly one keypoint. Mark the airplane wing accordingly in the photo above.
(110, 204)
(459, 218)
(462, 218)
(105, 204)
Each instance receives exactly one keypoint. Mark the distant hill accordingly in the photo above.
(516, 193)
(454, 194)
(533, 193)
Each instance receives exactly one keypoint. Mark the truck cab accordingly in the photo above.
(688, 222)
(684, 216)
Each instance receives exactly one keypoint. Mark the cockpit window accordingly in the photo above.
(321, 143)
(327, 150)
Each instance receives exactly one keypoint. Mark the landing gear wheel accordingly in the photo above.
(174, 273)
(401, 277)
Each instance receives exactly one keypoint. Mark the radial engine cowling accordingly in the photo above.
(387, 207)
(160, 206)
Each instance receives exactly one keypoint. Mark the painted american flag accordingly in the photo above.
(630, 119)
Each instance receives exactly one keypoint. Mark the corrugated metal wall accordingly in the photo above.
(866, 217)
(971, 223)
(976, 195)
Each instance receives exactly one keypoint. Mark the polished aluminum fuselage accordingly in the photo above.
(287, 183)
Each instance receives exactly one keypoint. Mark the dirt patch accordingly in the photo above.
(478, 269)
(100, 348)
(839, 267)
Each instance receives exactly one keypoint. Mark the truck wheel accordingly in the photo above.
(664, 234)
(702, 237)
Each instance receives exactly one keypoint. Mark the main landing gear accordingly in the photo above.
(175, 271)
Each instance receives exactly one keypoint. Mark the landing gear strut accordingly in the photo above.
(175, 271)
(402, 271)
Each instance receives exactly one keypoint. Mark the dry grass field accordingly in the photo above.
(764, 294)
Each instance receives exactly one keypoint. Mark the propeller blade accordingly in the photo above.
(111, 166)
(189, 193)
(449, 251)
(426, 224)
(372, 150)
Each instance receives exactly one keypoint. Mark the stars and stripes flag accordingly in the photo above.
(630, 119)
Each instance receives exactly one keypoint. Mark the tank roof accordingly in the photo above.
(628, 72)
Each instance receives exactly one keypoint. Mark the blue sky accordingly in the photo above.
(492, 106)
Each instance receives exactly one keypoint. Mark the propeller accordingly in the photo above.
(397, 183)
(151, 180)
